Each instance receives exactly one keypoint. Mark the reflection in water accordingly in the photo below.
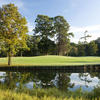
(62, 80)
(84, 80)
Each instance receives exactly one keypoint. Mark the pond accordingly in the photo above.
(62, 80)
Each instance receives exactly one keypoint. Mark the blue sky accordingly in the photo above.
(81, 14)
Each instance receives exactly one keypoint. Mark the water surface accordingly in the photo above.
(48, 79)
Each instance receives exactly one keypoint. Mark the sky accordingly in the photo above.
(82, 15)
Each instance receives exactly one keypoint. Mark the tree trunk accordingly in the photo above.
(21, 53)
(9, 58)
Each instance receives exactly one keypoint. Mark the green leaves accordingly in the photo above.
(54, 27)
(62, 35)
(13, 28)
(44, 26)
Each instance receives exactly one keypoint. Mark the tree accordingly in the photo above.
(74, 50)
(92, 48)
(85, 37)
(62, 35)
(46, 46)
(13, 29)
(32, 43)
(44, 26)
(97, 41)
(81, 49)
(45, 30)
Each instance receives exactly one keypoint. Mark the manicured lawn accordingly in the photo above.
(51, 60)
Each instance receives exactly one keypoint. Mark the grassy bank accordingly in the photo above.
(51, 60)
(11, 95)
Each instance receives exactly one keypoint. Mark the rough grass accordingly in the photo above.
(11, 95)
(51, 60)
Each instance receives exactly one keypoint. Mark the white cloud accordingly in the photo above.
(88, 28)
(30, 28)
(93, 30)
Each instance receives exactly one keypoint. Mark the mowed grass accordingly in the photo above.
(51, 61)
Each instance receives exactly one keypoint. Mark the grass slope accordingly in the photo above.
(12, 95)
(51, 60)
(46, 94)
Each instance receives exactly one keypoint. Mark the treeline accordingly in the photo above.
(51, 36)
(37, 47)
(89, 49)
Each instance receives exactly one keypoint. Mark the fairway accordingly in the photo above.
(51, 60)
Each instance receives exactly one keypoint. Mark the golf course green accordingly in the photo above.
(50, 61)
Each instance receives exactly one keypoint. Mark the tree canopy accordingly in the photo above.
(13, 29)
(44, 26)
(62, 35)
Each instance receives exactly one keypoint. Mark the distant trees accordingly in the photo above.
(98, 46)
(92, 49)
(81, 50)
(73, 49)
(13, 29)
(84, 48)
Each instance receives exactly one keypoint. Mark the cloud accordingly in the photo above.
(76, 80)
(93, 30)
(30, 27)
(88, 28)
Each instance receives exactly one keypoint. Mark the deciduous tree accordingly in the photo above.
(44, 26)
(45, 30)
(13, 29)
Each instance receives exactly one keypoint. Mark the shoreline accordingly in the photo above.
(79, 68)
